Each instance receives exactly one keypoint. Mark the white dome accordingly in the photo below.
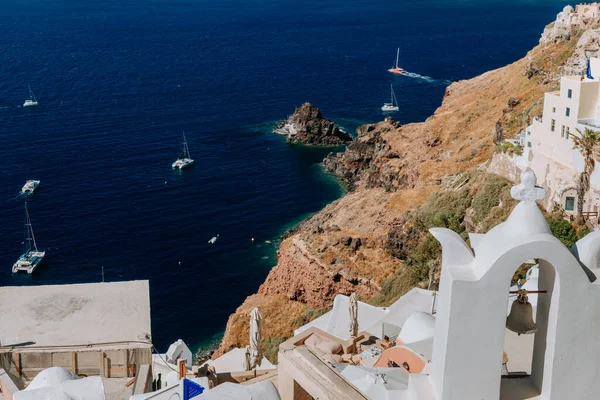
(51, 377)
(568, 10)
(418, 326)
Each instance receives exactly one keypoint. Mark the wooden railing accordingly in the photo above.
(591, 216)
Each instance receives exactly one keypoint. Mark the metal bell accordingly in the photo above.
(520, 319)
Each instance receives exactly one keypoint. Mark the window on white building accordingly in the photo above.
(562, 131)
(568, 112)
(567, 135)
(569, 93)
(552, 125)
(570, 203)
(529, 144)
(553, 109)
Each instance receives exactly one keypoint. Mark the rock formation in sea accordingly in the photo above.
(308, 126)
(402, 180)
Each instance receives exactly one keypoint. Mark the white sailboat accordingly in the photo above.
(396, 69)
(392, 106)
(184, 160)
(31, 101)
(31, 257)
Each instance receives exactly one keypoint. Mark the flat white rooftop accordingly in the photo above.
(69, 315)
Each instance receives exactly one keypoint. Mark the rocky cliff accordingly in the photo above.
(374, 240)
(308, 126)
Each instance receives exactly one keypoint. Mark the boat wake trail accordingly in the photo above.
(429, 79)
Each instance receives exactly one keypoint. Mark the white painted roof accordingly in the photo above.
(419, 326)
(233, 361)
(264, 390)
(59, 383)
(339, 319)
(172, 392)
(370, 318)
(63, 315)
(179, 350)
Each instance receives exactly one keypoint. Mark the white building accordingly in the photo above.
(548, 142)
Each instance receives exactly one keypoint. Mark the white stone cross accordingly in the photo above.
(527, 191)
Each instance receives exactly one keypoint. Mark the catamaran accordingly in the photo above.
(184, 159)
(393, 105)
(396, 69)
(31, 101)
(31, 257)
(30, 186)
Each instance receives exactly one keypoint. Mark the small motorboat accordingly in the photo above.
(184, 159)
(213, 239)
(30, 186)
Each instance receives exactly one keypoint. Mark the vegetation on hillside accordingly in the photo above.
(478, 203)
(588, 144)
(482, 203)
(564, 230)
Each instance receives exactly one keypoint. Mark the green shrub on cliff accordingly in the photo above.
(564, 230)
(486, 197)
(270, 347)
(310, 315)
(442, 209)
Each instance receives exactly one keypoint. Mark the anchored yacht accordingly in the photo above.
(392, 106)
(184, 160)
(31, 101)
(31, 257)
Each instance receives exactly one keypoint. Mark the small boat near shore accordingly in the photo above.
(396, 69)
(392, 106)
(184, 160)
(31, 101)
(30, 186)
(31, 257)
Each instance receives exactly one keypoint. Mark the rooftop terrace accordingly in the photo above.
(74, 315)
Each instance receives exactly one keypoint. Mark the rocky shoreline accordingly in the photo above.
(308, 126)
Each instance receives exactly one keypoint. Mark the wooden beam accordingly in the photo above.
(182, 368)
(74, 362)
(101, 362)
(18, 363)
(527, 291)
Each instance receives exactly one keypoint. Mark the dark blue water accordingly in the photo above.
(118, 81)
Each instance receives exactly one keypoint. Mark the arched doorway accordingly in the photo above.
(523, 375)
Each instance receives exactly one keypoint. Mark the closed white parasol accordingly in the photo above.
(353, 316)
(253, 351)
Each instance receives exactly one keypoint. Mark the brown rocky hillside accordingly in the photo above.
(373, 241)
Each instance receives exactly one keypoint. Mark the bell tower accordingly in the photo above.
(473, 301)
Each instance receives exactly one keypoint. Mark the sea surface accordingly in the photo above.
(118, 81)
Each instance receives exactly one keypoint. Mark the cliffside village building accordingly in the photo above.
(548, 147)
(582, 15)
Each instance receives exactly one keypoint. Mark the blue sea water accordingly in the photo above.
(119, 80)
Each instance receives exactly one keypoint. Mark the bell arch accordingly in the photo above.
(562, 277)
(472, 316)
